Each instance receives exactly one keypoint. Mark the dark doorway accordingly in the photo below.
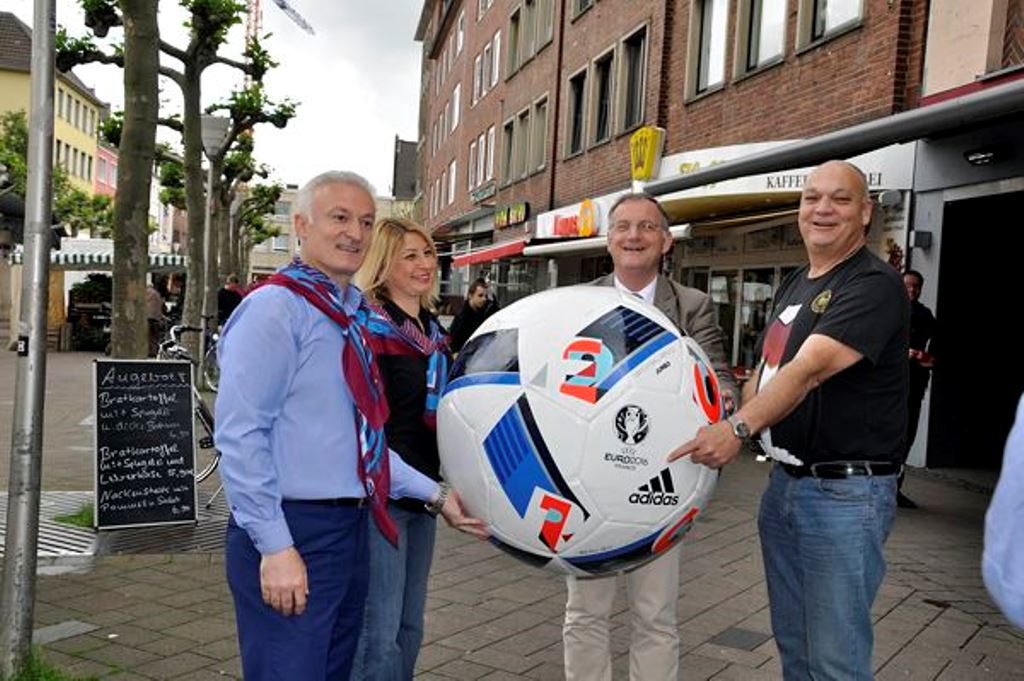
(979, 370)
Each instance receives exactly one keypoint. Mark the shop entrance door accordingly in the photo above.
(979, 371)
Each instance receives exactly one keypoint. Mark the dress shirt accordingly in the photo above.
(285, 419)
(647, 292)
(1003, 560)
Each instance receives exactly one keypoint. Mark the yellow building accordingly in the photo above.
(77, 110)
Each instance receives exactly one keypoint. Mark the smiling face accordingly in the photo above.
(336, 235)
(413, 269)
(834, 210)
(636, 238)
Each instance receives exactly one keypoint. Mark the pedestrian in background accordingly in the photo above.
(411, 348)
(300, 426)
(228, 298)
(475, 310)
(829, 398)
(922, 335)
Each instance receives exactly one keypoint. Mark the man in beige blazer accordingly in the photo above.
(638, 238)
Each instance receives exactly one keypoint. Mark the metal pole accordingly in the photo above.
(209, 262)
(17, 594)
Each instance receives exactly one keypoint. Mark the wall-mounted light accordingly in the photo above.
(980, 157)
(920, 239)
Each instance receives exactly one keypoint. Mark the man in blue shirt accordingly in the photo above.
(1003, 561)
(298, 421)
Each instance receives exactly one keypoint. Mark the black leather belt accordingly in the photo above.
(336, 501)
(837, 470)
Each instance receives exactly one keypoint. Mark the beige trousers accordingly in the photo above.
(654, 650)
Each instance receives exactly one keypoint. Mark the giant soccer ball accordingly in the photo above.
(556, 423)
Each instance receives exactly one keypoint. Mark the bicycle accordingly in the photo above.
(206, 455)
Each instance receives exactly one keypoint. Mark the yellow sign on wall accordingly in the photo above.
(645, 148)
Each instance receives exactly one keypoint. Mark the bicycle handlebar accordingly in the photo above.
(179, 329)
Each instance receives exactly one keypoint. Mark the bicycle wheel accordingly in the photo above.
(206, 455)
(211, 370)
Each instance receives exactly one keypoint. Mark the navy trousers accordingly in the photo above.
(320, 643)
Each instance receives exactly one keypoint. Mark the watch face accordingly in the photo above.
(740, 429)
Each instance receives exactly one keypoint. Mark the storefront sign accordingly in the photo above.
(645, 148)
(584, 223)
(514, 214)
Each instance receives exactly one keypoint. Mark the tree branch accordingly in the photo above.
(173, 51)
(172, 123)
(176, 76)
(241, 66)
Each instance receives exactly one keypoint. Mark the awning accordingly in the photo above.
(103, 260)
(492, 252)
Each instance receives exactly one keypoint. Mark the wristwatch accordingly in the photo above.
(434, 507)
(739, 427)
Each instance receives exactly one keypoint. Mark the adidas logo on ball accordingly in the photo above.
(659, 491)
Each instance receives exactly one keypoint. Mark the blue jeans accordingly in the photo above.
(393, 620)
(823, 546)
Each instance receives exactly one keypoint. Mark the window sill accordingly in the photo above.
(718, 87)
(630, 130)
(829, 36)
(767, 66)
(599, 143)
(576, 15)
(572, 154)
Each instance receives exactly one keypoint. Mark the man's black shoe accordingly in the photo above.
(903, 501)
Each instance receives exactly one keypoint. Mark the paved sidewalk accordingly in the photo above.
(489, 617)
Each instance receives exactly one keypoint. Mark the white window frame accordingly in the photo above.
(751, 30)
(496, 61)
(456, 105)
(608, 56)
(481, 153)
(477, 78)
(513, 58)
(521, 138)
(538, 135)
(571, 109)
(508, 138)
(471, 181)
(490, 152)
(708, 37)
(453, 173)
(623, 80)
(460, 40)
(808, 33)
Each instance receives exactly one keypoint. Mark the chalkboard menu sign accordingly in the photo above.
(144, 443)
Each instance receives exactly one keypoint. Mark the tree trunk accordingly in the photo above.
(130, 328)
(195, 200)
(224, 264)
(210, 279)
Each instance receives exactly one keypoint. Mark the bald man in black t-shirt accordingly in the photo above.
(829, 399)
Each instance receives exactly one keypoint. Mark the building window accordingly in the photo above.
(112, 175)
(74, 162)
(447, 122)
(711, 16)
(78, 114)
(443, 201)
(633, 79)
(471, 166)
(539, 135)
(545, 22)
(452, 173)
(280, 243)
(577, 107)
(601, 111)
(88, 168)
(283, 209)
(101, 170)
(477, 78)
(67, 157)
(528, 34)
(92, 122)
(765, 30)
(828, 16)
(490, 153)
(496, 62)
(581, 6)
(513, 40)
(60, 102)
(507, 136)
(480, 160)
(522, 144)
(460, 39)
(456, 101)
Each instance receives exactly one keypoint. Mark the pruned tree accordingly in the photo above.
(208, 25)
(249, 223)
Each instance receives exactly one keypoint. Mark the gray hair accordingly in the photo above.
(640, 196)
(304, 198)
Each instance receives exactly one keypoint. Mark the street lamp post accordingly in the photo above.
(214, 133)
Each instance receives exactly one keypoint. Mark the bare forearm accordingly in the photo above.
(778, 398)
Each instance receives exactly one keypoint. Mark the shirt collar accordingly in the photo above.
(647, 292)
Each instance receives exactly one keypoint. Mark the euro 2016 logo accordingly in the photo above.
(631, 424)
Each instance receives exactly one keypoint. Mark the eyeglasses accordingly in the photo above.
(642, 227)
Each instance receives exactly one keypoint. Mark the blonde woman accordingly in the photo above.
(411, 348)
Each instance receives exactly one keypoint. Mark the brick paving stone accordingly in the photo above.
(77, 644)
(435, 654)
(507, 661)
(694, 667)
(174, 666)
(129, 635)
(166, 646)
(503, 676)
(746, 658)
(120, 656)
(462, 669)
(547, 671)
(735, 672)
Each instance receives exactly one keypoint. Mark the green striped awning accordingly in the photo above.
(103, 260)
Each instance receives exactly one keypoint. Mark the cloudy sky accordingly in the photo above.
(357, 81)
